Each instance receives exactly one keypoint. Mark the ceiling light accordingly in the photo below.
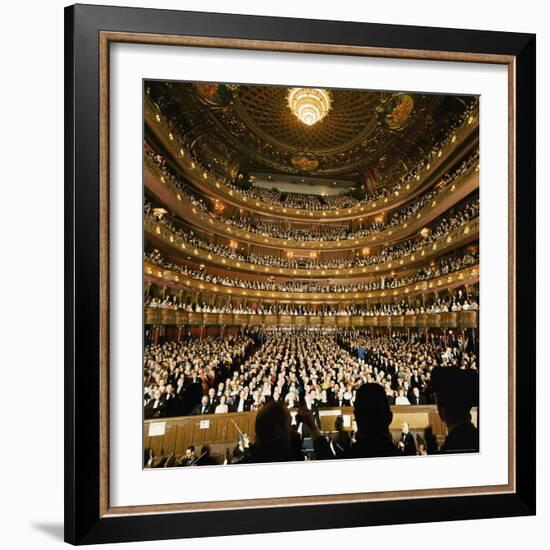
(309, 105)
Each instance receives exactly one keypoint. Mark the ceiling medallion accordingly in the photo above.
(398, 111)
(305, 163)
(309, 105)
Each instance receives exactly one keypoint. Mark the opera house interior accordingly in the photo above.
(311, 274)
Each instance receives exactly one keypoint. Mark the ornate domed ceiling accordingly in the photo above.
(364, 136)
(266, 112)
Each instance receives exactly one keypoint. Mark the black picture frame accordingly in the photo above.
(84, 524)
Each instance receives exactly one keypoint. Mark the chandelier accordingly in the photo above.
(310, 105)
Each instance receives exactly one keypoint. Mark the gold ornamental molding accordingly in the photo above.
(157, 232)
(165, 277)
(465, 184)
(449, 320)
(208, 183)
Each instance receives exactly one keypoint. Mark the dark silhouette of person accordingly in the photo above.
(204, 459)
(373, 416)
(275, 440)
(341, 441)
(456, 392)
(430, 441)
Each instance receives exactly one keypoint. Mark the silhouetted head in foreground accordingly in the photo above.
(456, 392)
(372, 410)
(273, 431)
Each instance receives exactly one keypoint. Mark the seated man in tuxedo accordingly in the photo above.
(213, 400)
(456, 392)
(171, 401)
(204, 407)
(242, 403)
(406, 444)
(417, 398)
(193, 388)
(312, 404)
(156, 406)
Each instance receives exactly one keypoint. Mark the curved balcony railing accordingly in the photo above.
(177, 201)
(453, 239)
(161, 276)
(210, 184)
(457, 319)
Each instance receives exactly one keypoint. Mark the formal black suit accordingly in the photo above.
(341, 402)
(152, 411)
(171, 404)
(202, 409)
(420, 400)
(213, 402)
(409, 448)
(246, 405)
(332, 399)
(194, 390)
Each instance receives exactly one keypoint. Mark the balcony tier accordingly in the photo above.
(179, 203)
(160, 234)
(208, 183)
(458, 319)
(164, 277)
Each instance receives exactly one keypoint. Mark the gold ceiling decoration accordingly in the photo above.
(398, 111)
(309, 105)
(244, 129)
(304, 163)
(265, 112)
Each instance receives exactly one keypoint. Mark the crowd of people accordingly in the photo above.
(314, 369)
(302, 201)
(281, 435)
(322, 232)
(274, 373)
(316, 202)
(444, 266)
(288, 376)
(445, 225)
(455, 303)
(177, 374)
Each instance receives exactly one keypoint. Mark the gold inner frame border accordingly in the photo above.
(105, 39)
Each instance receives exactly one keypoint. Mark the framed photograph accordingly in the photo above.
(300, 269)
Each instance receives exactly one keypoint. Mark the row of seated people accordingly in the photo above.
(455, 303)
(219, 375)
(281, 436)
(444, 266)
(444, 226)
(322, 232)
